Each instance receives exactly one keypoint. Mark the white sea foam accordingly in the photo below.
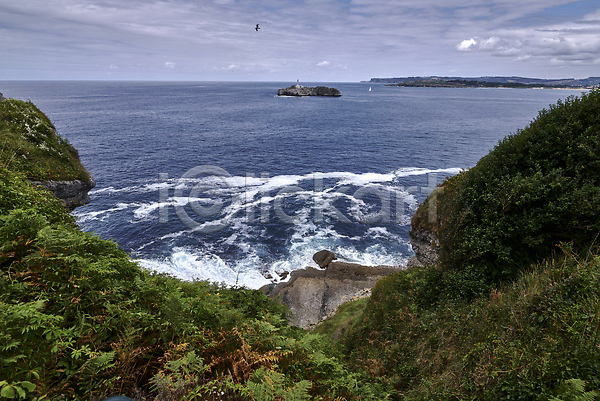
(410, 171)
(250, 270)
(99, 214)
(190, 265)
(314, 210)
(249, 195)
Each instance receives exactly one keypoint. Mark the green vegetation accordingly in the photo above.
(29, 144)
(78, 318)
(537, 188)
(346, 318)
(511, 313)
(524, 341)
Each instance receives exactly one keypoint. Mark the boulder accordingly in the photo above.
(1, 97)
(323, 258)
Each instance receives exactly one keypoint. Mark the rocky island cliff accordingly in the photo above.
(299, 90)
(32, 145)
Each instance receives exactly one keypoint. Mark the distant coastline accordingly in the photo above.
(490, 82)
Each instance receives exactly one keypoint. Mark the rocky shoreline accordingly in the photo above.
(426, 247)
(314, 294)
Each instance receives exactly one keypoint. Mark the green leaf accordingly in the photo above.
(22, 393)
(8, 392)
(29, 386)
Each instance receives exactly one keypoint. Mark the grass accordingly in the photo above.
(346, 318)
(31, 145)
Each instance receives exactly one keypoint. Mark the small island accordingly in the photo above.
(299, 90)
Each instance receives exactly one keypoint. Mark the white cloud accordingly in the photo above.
(575, 42)
(466, 45)
(170, 64)
(323, 63)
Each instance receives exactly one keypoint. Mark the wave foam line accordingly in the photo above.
(268, 184)
(410, 171)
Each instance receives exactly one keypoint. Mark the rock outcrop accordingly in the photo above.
(323, 258)
(1, 97)
(313, 295)
(298, 90)
(70, 193)
(426, 247)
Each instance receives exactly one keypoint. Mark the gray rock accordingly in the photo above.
(70, 193)
(297, 90)
(426, 247)
(313, 295)
(1, 97)
(323, 258)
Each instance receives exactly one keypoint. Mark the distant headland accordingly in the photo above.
(299, 90)
(489, 82)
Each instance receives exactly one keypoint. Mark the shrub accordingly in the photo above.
(537, 188)
(523, 341)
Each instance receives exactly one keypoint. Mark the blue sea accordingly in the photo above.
(225, 181)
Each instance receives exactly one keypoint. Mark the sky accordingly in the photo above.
(309, 40)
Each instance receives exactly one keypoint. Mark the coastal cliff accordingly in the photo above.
(313, 295)
(298, 90)
(33, 147)
(70, 194)
(426, 247)
(71, 299)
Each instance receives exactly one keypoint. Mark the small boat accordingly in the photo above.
(369, 89)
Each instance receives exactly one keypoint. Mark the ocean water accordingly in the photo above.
(229, 183)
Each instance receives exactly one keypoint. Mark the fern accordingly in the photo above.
(574, 390)
(267, 385)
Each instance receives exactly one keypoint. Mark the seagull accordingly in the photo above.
(257, 28)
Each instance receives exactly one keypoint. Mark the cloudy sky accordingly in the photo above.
(310, 40)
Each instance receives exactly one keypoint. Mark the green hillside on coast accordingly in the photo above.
(511, 312)
(512, 309)
(31, 145)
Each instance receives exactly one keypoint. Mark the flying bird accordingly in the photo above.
(257, 28)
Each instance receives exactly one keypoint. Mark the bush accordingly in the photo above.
(521, 342)
(537, 188)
